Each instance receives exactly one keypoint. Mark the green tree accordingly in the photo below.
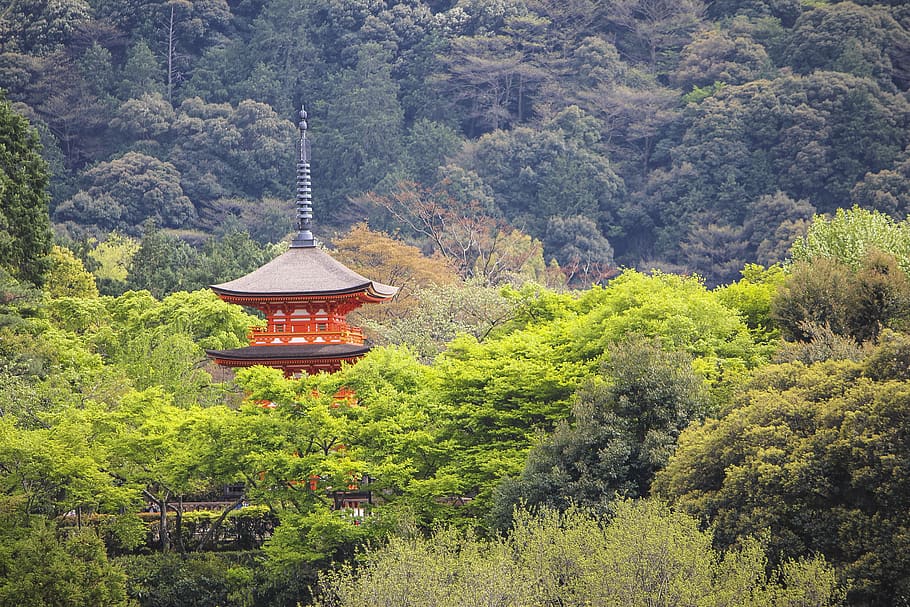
(580, 248)
(38, 569)
(535, 175)
(716, 56)
(774, 223)
(845, 37)
(437, 313)
(112, 258)
(225, 150)
(652, 29)
(851, 234)
(733, 148)
(855, 303)
(622, 429)
(364, 127)
(752, 296)
(25, 237)
(493, 78)
(850, 276)
(811, 452)
(127, 191)
(715, 250)
(142, 72)
(148, 117)
(646, 555)
(886, 191)
(67, 276)
(162, 264)
(40, 27)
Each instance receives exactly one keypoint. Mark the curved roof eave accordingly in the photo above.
(302, 272)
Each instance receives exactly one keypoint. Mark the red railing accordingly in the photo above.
(260, 336)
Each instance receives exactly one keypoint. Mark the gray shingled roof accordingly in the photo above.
(304, 271)
(289, 352)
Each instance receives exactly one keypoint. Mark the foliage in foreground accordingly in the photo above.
(819, 455)
(646, 555)
(38, 568)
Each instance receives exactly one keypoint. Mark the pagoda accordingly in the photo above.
(305, 296)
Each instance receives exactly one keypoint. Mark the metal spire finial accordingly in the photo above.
(304, 236)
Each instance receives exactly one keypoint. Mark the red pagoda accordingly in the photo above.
(305, 296)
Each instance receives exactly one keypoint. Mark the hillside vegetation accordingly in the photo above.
(686, 135)
(651, 344)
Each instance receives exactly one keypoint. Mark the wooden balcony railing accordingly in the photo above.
(260, 336)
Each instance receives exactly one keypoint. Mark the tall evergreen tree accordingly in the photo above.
(25, 236)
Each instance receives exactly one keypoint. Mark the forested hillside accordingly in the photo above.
(687, 135)
(596, 385)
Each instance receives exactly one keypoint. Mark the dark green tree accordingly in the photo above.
(887, 191)
(723, 57)
(809, 137)
(40, 27)
(38, 569)
(814, 453)
(652, 31)
(537, 174)
(861, 40)
(163, 264)
(142, 73)
(25, 237)
(623, 428)
(361, 137)
(774, 223)
(582, 251)
(714, 250)
(125, 192)
(856, 303)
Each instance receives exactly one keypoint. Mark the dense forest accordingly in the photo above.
(652, 341)
(685, 135)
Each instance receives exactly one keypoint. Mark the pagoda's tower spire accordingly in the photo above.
(304, 238)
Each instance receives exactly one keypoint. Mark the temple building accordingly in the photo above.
(305, 296)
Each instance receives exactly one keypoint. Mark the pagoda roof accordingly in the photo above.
(291, 352)
(302, 272)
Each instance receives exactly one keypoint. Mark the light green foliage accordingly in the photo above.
(201, 315)
(519, 381)
(53, 470)
(677, 310)
(647, 555)
(67, 276)
(444, 311)
(751, 296)
(851, 234)
(813, 453)
(113, 257)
